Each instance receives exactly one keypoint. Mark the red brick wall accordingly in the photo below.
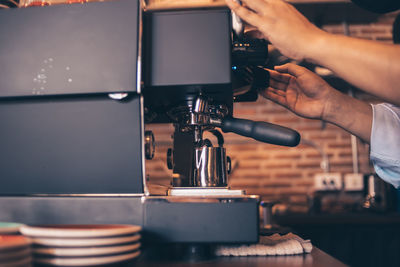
(275, 172)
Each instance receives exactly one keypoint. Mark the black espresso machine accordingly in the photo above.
(78, 85)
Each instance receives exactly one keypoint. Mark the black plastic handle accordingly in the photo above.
(262, 131)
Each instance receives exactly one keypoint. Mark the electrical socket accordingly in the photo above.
(328, 181)
(353, 182)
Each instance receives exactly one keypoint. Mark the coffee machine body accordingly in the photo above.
(63, 133)
(79, 85)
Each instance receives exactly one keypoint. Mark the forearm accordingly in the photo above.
(350, 114)
(371, 66)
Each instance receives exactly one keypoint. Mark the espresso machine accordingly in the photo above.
(78, 85)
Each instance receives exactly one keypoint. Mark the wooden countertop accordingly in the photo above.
(340, 218)
(317, 258)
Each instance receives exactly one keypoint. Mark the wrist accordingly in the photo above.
(333, 107)
(316, 46)
(350, 114)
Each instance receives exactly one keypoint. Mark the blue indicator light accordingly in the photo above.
(234, 67)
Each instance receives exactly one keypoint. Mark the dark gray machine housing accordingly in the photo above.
(69, 49)
(186, 52)
(71, 138)
(69, 153)
(60, 131)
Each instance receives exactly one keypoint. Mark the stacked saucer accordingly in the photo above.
(9, 228)
(83, 245)
(15, 251)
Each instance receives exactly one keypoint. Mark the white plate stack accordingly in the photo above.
(10, 228)
(83, 245)
(15, 251)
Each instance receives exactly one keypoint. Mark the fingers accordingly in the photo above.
(279, 86)
(244, 13)
(277, 91)
(271, 95)
(256, 5)
(254, 34)
(278, 81)
(279, 77)
(291, 69)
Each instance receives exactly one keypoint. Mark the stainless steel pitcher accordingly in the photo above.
(211, 167)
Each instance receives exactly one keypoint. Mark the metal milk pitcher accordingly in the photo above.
(211, 167)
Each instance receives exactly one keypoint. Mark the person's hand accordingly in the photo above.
(299, 90)
(279, 23)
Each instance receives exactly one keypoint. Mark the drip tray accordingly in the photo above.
(204, 191)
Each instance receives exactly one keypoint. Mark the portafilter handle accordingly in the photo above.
(261, 131)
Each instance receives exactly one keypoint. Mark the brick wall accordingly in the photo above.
(275, 172)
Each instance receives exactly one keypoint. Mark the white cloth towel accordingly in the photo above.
(276, 244)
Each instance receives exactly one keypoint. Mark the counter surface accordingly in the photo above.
(361, 218)
(358, 239)
(316, 258)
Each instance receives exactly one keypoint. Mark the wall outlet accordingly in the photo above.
(353, 182)
(328, 181)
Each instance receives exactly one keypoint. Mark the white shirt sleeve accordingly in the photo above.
(385, 142)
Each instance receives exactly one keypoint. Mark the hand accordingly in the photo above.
(308, 95)
(279, 23)
(300, 90)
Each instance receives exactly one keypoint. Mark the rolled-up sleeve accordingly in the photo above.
(385, 142)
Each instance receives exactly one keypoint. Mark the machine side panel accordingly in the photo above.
(70, 146)
(69, 49)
